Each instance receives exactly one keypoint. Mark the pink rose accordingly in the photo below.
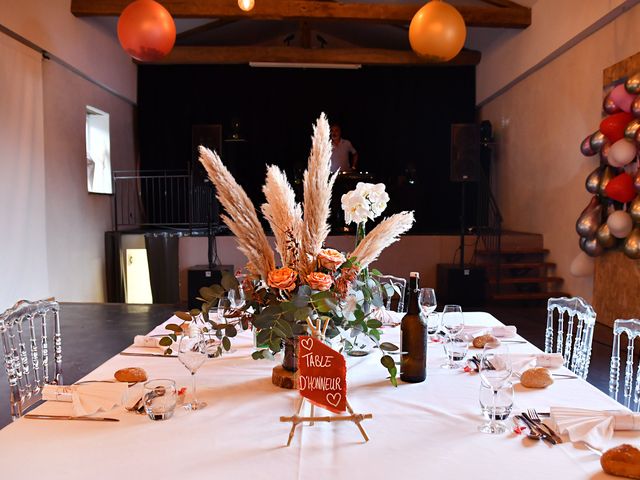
(319, 281)
(282, 278)
(330, 259)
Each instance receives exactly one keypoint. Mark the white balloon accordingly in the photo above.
(582, 266)
(621, 153)
(620, 224)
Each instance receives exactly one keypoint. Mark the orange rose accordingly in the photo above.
(319, 281)
(330, 259)
(282, 278)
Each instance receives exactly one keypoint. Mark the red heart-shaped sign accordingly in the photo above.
(620, 188)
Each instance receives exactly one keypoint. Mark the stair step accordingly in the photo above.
(521, 265)
(514, 251)
(515, 280)
(527, 296)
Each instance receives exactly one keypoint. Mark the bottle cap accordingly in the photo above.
(415, 274)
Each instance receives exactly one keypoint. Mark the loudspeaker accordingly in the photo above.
(465, 152)
(201, 276)
(461, 286)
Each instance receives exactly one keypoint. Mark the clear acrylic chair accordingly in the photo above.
(32, 348)
(575, 336)
(400, 288)
(632, 329)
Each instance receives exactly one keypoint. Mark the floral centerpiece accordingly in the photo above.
(316, 290)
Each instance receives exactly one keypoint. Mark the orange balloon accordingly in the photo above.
(146, 30)
(437, 31)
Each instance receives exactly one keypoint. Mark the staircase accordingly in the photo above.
(518, 269)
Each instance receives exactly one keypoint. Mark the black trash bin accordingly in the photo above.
(162, 256)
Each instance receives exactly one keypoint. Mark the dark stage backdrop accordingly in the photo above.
(397, 118)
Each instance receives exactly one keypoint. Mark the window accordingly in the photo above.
(98, 151)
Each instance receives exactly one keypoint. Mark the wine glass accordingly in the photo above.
(192, 353)
(452, 323)
(236, 297)
(495, 371)
(428, 303)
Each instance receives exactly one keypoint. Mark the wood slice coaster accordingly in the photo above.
(283, 378)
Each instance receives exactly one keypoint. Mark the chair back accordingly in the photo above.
(32, 348)
(399, 288)
(575, 336)
(632, 329)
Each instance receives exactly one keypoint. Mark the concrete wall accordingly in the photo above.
(540, 123)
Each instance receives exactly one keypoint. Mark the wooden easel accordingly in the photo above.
(296, 419)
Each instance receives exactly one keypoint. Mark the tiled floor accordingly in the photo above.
(92, 333)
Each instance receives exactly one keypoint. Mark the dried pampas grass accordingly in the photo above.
(387, 232)
(284, 216)
(242, 218)
(318, 183)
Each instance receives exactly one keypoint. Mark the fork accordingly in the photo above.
(535, 418)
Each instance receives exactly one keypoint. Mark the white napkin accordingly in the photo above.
(595, 427)
(503, 331)
(145, 341)
(58, 393)
(90, 398)
(387, 317)
(524, 361)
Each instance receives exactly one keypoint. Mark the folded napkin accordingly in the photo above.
(88, 398)
(524, 361)
(145, 341)
(503, 331)
(595, 427)
(387, 317)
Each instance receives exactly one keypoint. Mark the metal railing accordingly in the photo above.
(162, 198)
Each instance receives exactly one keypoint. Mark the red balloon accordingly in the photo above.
(146, 30)
(613, 126)
(621, 188)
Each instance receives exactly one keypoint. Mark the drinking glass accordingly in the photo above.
(160, 398)
(503, 401)
(433, 324)
(495, 371)
(192, 353)
(456, 349)
(236, 297)
(452, 323)
(427, 301)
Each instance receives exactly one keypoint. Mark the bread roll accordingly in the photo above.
(131, 374)
(536, 378)
(623, 461)
(482, 340)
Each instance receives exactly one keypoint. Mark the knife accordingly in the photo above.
(133, 354)
(69, 417)
(544, 427)
(536, 428)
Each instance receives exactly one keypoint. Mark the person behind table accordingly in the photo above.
(342, 150)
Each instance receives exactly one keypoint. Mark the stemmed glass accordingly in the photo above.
(236, 297)
(428, 303)
(453, 323)
(495, 371)
(192, 353)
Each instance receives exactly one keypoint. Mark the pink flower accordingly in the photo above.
(319, 281)
(330, 259)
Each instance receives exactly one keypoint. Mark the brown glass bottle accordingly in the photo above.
(413, 331)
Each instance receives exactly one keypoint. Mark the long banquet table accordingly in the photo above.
(426, 430)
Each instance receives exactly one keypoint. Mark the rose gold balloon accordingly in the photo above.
(593, 180)
(589, 221)
(604, 153)
(585, 147)
(597, 140)
(591, 247)
(437, 31)
(634, 209)
(605, 178)
(632, 129)
(635, 107)
(632, 244)
(609, 106)
(146, 30)
(633, 83)
(604, 237)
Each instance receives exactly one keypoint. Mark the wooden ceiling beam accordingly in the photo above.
(514, 16)
(194, 55)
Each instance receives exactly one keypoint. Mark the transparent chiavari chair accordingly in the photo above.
(632, 329)
(401, 286)
(576, 320)
(32, 348)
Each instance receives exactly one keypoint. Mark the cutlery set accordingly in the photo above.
(537, 429)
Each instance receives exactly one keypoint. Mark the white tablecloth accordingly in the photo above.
(426, 430)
